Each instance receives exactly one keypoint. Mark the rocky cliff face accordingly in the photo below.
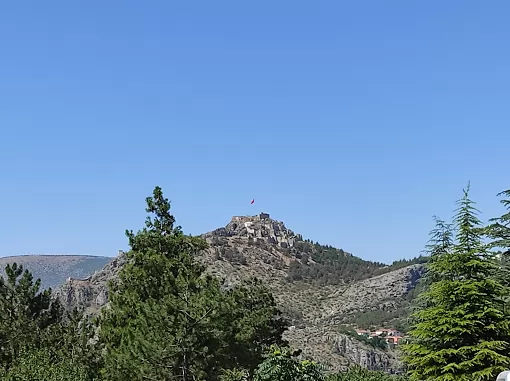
(340, 351)
(259, 246)
(380, 292)
(91, 293)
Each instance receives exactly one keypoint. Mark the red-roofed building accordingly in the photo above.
(393, 339)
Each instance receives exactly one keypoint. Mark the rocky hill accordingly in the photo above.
(53, 270)
(319, 288)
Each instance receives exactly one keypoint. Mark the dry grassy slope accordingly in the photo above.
(250, 247)
(318, 310)
(380, 292)
(317, 303)
(53, 270)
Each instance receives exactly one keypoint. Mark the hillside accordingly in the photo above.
(319, 288)
(53, 270)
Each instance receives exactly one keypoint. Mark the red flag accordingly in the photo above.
(252, 201)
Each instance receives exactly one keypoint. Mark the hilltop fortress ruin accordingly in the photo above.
(259, 227)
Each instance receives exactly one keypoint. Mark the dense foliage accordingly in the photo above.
(25, 314)
(334, 266)
(281, 364)
(38, 340)
(462, 329)
(358, 373)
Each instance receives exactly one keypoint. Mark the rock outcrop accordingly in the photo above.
(339, 351)
(91, 293)
(380, 292)
(260, 227)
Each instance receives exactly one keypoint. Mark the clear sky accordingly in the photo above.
(353, 122)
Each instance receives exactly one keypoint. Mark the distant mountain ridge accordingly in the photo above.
(53, 270)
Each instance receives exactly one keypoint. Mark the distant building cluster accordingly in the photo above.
(392, 336)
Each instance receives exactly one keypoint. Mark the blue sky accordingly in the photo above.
(353, 122)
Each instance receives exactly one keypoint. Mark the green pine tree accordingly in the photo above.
(74, 340)
(250, 324)
(463, 331)
(26, 313)
(439, 246)
(36, 341)
(499, 229)
(168, 320)
(158, 325)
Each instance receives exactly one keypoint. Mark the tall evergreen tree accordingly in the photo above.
(439, 245)
(167, 319)
(25, 313)
(463, 332)
(36, 342)
(251, 323)
(499, 229)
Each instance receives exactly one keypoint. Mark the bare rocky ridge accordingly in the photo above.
(261, 247)
(91, 293)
